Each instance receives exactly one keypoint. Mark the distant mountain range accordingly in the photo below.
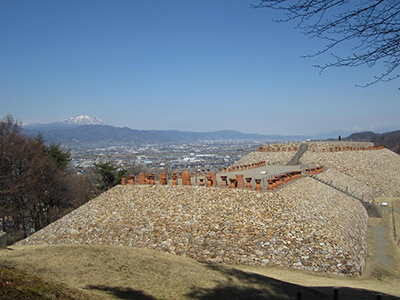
(105, 134)
(85, 130)
(88, 130)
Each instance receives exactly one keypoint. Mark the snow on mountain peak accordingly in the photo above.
(83, 120)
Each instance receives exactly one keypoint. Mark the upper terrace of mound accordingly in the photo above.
(282, 153)
(374, 167)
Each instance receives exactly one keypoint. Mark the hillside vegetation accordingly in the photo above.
(390, 140)
(36, 187)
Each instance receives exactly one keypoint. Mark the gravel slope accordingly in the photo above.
(306, 225)
(378, 169)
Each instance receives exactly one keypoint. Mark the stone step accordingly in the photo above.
(296, 158)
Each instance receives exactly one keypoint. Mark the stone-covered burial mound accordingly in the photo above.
(307, 225)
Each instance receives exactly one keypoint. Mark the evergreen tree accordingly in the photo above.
(108, 175)
(58, 156)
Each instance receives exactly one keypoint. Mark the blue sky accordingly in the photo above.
(189, 65)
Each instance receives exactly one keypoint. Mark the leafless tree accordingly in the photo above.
(34, 191)
(371, 28)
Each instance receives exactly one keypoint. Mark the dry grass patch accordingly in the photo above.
(112, 272)
(117, 272)
(17, 285)
(125, 272)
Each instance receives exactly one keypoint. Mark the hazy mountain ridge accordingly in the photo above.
(89, 130)
(390, 140)
(100, 134)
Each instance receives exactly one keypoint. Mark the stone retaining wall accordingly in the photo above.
(307, 225)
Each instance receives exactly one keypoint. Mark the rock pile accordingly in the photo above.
(279, 147)
(271, 158)
(342, 223)
(348, 183)
(307, 225)
(334, 146)
(377, 169)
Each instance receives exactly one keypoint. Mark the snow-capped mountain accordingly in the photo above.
(83, 120)
(65, 124)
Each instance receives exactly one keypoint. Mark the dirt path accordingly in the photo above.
(384, 252)
(380, 235)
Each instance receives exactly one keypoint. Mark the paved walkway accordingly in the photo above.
(380, 235)
(296, 158)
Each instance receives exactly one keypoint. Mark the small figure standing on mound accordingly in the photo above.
(340, 138)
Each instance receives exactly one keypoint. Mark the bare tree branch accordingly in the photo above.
(371, 28)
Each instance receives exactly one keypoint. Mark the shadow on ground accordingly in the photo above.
(122, 293)
(241, 285)
(254, 286)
